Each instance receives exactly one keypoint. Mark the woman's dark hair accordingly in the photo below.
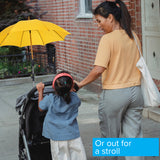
(63, 86)
(119, 10)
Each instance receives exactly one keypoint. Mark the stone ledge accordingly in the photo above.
(152, 113)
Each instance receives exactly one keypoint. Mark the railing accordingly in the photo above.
(19, 65)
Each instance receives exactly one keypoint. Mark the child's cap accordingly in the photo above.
(61, 75)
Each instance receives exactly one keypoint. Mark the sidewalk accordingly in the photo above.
(10, 90)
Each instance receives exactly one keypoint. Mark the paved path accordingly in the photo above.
(88, 121)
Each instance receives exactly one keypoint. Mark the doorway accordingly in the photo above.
(151, 35)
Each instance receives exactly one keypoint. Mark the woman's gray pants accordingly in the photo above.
(120, 113)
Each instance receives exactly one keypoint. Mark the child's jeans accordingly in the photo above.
(68, 150)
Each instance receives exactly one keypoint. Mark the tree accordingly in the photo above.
(12, 11)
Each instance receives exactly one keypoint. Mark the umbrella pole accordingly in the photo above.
(32, 60)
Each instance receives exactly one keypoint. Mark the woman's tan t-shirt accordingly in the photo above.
(119, 55)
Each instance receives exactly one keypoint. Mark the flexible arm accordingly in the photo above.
(92, 76)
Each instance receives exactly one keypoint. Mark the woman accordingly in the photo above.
(121, 102)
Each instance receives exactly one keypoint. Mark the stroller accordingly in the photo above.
(32, 145)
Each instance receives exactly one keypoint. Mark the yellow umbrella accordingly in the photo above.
(31, 32)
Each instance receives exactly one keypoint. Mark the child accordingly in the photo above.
(60, 124)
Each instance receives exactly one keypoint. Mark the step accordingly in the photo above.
(152, 113)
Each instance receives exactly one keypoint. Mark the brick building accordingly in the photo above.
(77, 53)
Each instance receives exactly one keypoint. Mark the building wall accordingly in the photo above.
(77, 53)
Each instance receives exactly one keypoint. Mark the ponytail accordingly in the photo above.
(125, 20)
(67, 97)
(119, 10)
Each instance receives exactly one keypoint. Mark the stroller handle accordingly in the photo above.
(34, 89)
(49, 83)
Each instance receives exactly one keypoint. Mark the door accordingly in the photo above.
(151, 35)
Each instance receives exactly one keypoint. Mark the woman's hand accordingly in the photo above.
(78, 84)
(40, 87)
(75, 87)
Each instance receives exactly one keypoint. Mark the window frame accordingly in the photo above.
(82, 13)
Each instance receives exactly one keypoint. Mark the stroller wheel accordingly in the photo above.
(22, 151)
(22, 155)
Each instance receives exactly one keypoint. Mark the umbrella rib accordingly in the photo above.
(40, 36)
(58, 34)
(21, 38)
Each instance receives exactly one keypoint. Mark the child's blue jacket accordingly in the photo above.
(60, 123)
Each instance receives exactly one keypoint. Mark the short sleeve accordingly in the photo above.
(44, 103)
(103, 52)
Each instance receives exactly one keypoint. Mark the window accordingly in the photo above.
(85, 9)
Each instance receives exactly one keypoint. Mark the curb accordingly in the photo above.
(16, 81)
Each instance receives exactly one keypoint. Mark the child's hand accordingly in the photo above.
(40, 87)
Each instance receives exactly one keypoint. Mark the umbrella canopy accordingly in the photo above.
(31, 32)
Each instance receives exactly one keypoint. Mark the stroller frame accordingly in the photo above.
(32, 145)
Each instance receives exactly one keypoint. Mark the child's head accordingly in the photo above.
(63, 83)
